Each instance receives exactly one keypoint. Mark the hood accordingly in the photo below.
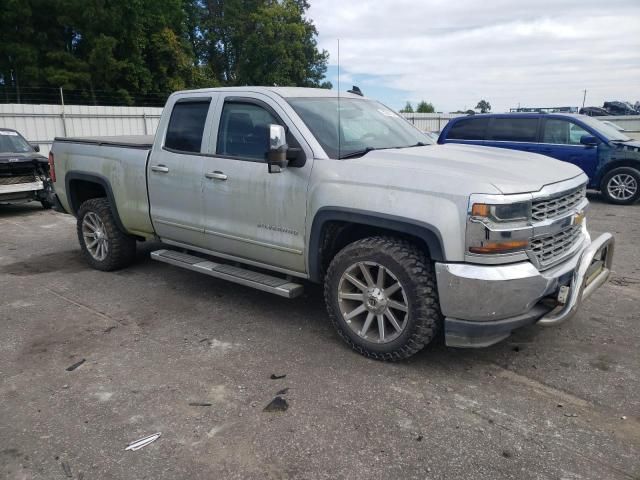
(507, 171)
(632, 146)
(8, 158)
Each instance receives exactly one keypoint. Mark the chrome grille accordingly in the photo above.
(550, 248)
(558, 205)
(15, 179)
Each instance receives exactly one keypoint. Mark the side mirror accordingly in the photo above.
(36, 148)
(277, 156)
(588, 140)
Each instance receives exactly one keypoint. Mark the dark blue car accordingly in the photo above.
(607, 156)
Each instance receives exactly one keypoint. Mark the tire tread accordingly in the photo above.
(427, 315)
(122, 247)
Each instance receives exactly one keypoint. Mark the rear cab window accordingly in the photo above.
(186, 125)
(469, 129)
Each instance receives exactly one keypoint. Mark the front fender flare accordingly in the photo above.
(426, 232)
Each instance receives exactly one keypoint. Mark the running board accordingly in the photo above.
(248, 278)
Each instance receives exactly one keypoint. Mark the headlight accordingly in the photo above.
(499, 228)
(509, 212)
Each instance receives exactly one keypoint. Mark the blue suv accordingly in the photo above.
(609, 158)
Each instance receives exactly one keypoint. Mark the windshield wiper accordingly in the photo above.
(358, 153)
(419, 144)
(364, 151)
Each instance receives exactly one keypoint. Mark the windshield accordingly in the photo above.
(364, 125)
(12, 142)
(605, 130)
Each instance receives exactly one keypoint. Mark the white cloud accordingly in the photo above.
(533, 52)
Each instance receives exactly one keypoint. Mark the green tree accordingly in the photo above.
(260, 42)
(425, 107)
(408, 108)
(129, 51)
(483, 106)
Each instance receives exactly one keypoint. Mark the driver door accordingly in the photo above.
(248, 212)
(561, 140)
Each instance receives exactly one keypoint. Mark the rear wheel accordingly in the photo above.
(103, 244)
(381, 296)
(621, 185)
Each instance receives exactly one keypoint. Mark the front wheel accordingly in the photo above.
(381, 296)
(103, 244)
(621, 185)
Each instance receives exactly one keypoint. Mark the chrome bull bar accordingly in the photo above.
(592, 271)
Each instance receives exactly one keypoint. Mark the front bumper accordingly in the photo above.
(21, 192)
(21, 187)
(483, 304)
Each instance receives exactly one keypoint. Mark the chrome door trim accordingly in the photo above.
(254, 242)
(179, 225)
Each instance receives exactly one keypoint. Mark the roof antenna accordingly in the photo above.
(356, 90)
(339, 153)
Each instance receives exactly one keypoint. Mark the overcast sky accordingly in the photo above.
(455, 52)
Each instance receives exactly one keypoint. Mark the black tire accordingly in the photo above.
(121, 247)
(624, 172)
(414, 271)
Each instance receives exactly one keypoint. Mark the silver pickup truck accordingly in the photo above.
(267, 187)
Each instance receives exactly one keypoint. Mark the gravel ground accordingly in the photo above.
(172, 351)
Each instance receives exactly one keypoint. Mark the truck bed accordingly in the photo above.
(118, 163)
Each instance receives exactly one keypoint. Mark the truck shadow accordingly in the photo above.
(69, 261)
(308, 312)
(19, 209)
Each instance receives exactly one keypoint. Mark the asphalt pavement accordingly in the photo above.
(92, 361)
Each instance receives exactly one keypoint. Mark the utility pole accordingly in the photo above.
(584, 97)
(62, 114)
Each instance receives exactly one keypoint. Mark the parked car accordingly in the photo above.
(24, 173)
(620, 108)
(267, 187)
(610, 159)
(594, 112)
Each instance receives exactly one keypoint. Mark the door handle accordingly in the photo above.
(216, 175)
(159, 169)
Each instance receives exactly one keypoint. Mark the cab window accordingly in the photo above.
(186, 126)
(562, 132)
(469, 129)
(514, 129)
(244, 130)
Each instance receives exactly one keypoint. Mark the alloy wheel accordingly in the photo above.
(373, 302)
(95, 236)
(622, 186)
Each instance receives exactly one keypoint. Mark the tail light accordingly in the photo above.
(52, 167)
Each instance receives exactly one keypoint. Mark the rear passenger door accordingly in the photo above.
(561, 140)
(175, 172)
(514, 133)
